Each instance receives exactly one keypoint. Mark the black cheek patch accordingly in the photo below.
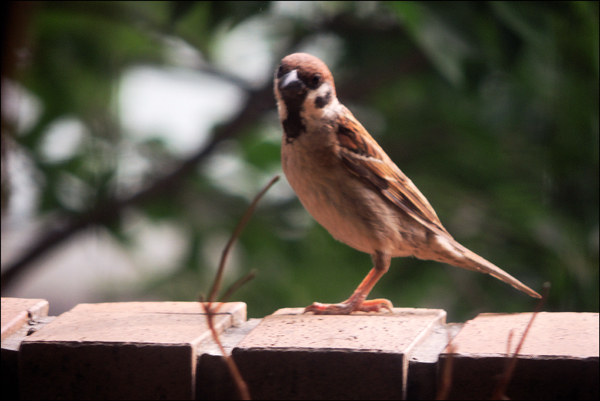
(323, 101)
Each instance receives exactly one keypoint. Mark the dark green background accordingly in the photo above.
(490, 108)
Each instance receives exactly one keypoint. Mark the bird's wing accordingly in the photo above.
(365, 159)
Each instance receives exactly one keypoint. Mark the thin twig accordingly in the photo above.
(236, 233)
(508, 348)
(235, 373)
(500, 390)
(446, 376)
(234, 287)
(208, 306)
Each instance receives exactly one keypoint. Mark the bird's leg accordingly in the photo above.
(357, 302)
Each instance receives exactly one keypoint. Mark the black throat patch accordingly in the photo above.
(293, 126)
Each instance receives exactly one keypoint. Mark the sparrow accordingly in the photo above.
(351, 187)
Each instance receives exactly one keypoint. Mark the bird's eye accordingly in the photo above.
(315, 81)
(280, 71)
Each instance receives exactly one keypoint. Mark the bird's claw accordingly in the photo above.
(345, 308)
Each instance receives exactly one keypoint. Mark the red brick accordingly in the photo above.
(17, 311)
(136, 350)
(298, 356)
(559, 358)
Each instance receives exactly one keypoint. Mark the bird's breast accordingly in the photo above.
(352, 212)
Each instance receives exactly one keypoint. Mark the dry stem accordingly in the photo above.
(208, 307)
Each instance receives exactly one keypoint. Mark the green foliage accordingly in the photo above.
(490, 108)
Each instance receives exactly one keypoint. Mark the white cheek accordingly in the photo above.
(329, 111)
(321, 92)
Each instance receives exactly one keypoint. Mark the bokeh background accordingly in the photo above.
(135, 135)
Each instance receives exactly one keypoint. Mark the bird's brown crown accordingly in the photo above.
(307, 67)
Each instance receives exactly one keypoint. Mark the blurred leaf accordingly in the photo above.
(490, 108)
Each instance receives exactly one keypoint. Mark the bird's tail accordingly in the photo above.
(472, 261)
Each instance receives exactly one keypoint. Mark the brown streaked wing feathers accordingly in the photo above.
(365, 158)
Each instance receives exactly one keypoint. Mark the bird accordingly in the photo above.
(347, 182)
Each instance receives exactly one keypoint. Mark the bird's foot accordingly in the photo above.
(349, 306)
(376, 305)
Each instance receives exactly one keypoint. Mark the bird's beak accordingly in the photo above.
(291, 82)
